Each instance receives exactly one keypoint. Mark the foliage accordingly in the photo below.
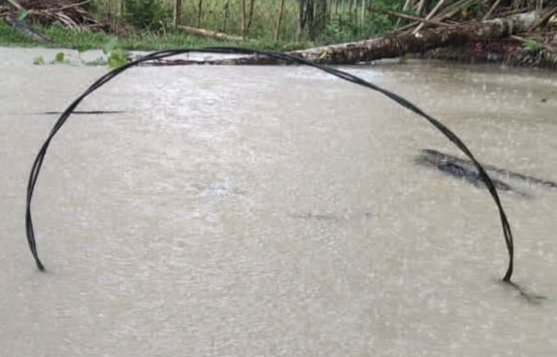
(343, 23)
(9, 35)
(346, 26)
(59, 57)
(110, 45)
(113, 56)
(38, 60)
(116, 56)
(146, 40)
(342, 28)
(147, 14)
(22, 14)
(531, 45)
(342, 20)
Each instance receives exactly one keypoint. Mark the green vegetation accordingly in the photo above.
(531, 45)
(147, 14)
(341, 21)
(338, 21)
(269, 24)
(144, 40)
(9, 36)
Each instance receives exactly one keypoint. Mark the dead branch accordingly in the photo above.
(15, 4)
(405, 16)
(68, 12)
(544, 18)
(491, 9)
(546, 47)
(71, 6)
(429, 16)
(453, 8)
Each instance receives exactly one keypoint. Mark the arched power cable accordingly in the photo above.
(39, 160)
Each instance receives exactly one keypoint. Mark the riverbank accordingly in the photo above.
(515, 52)
(511, 52)
(141, 41)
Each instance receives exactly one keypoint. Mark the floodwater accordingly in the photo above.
(260, 211)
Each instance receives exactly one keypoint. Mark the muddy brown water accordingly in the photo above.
(259, 211)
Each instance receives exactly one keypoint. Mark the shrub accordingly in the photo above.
(146, 14)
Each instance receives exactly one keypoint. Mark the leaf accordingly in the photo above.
(22, 15)
(38, 60)
(59, 57)
(110, 45)
(117, 58)
(531, 45)
(83, 48)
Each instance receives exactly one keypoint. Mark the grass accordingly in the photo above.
(147, 41)
(9, 36)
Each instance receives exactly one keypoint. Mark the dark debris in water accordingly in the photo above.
(88, 112)
(466, 170)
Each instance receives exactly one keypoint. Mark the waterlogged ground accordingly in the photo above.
(259, 211)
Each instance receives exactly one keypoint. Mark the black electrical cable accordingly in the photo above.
(37, 164)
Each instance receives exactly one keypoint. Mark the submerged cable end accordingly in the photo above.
(40, 265)
(510, 268)
(530, 297)
(507, 277)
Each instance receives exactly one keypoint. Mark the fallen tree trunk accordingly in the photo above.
(393, 46)
(208, 33)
